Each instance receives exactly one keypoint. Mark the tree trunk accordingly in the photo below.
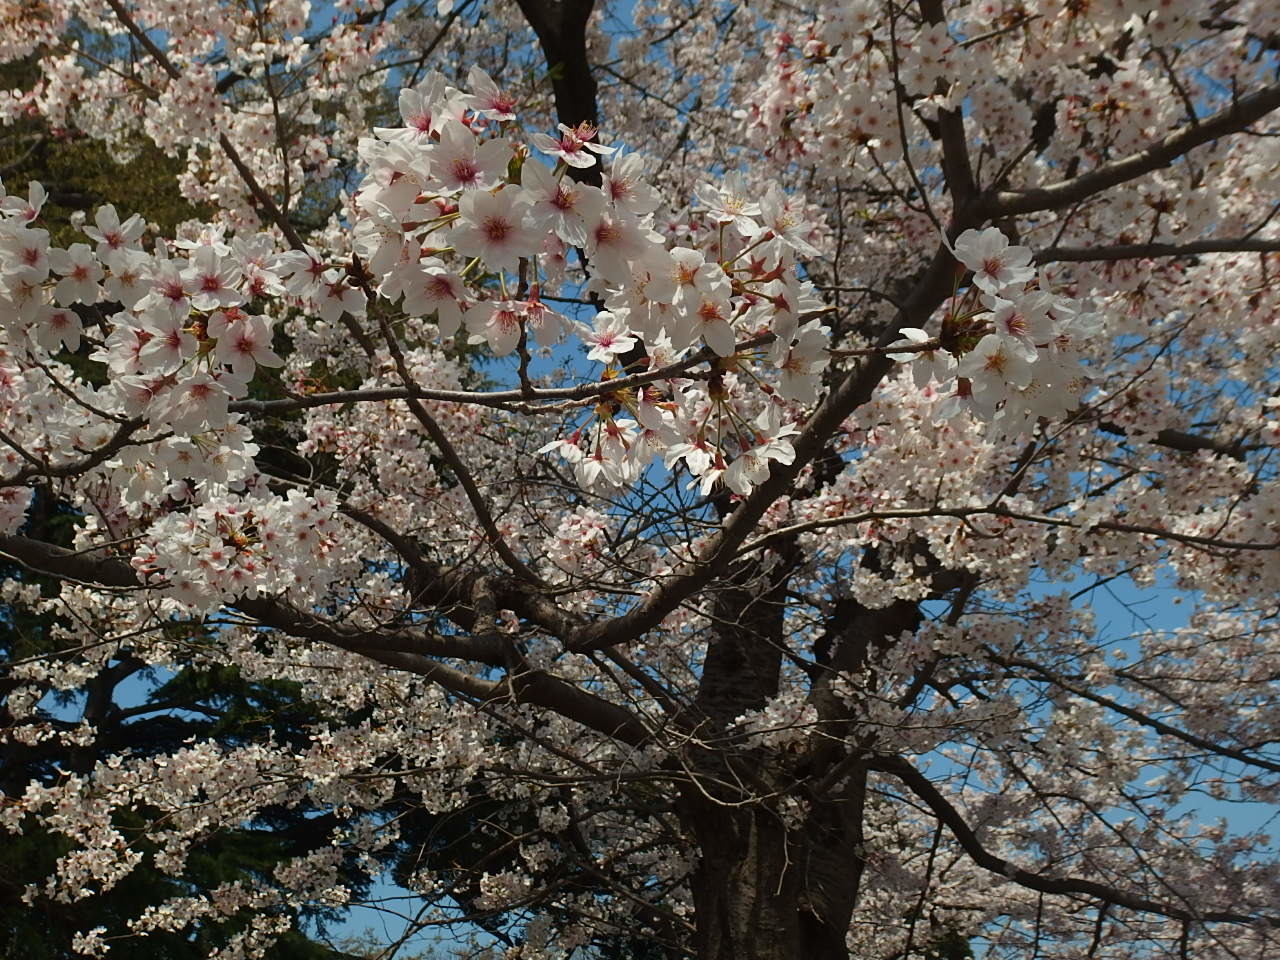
(770, 884)
(762, 891)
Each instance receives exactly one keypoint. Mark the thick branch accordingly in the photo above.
(780, 535)
(409, 650)
(956, 165)
(1162, 153)
(964, 834)
(502, 399)
(1152, 723)
(1139, 251)
(93, 458)
(1188, 442)
(561, 27)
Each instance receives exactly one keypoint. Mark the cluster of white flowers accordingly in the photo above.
(450, 184)
(579, 542)
(182, 347)
(1012, 344)
(786, 721)
(240, 547)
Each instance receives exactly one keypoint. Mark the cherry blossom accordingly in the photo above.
(757, 532)
(994, 262)
(429, 287)
(60, 328)
(626, 189)
(487, 98)
(81, 274)
(211, 280)
(612, 241)
(931, 364)
(459, 162)
(608, 336)
(499, 326)
(575, 146)
(492, 227)
(730, 203)
(244, 344)
(559, 204)
(110, 234)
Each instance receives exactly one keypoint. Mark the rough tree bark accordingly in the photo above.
(771, 883)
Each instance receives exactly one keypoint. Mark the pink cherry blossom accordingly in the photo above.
(112, 235)
(995, 264)
(81, 274)
(169, 345)
(245, 344)
(337, 296)
(608, 337)
(499, 326)
(559, 204)
(492, 227)
(613, 241)
(625, 188)
(488, 99)
(429, 287)
(459, 162)
(730, 203)
(212, 280)
(575, 146)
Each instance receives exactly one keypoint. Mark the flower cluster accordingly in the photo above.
(184, 342)
(199, 405)
(240, 547)
(461, 223)
(1011, 345)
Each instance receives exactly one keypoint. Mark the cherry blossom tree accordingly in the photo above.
(673, 459)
